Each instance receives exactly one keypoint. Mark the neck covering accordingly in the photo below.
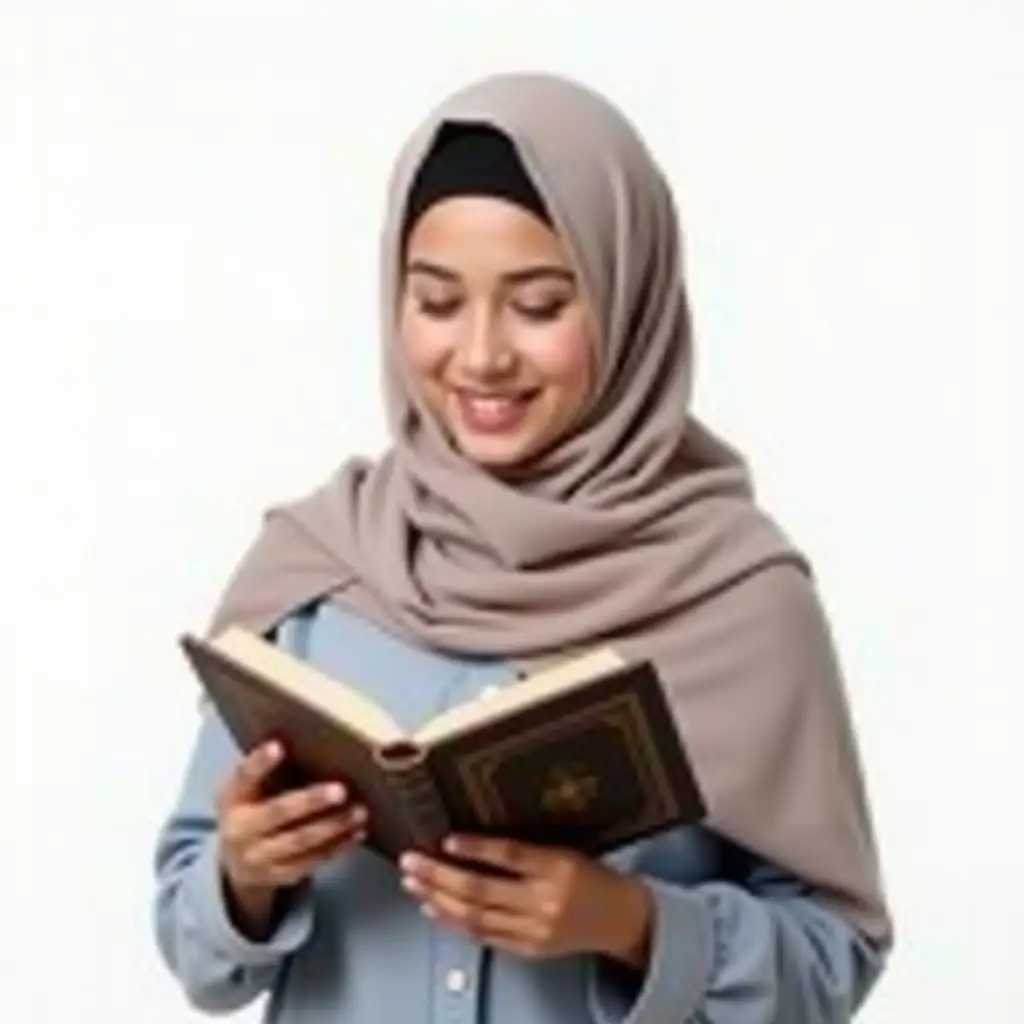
(639, 529)
(471, 160)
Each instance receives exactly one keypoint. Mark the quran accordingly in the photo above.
(584, 754)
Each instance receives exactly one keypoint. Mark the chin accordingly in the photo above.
(498, 455)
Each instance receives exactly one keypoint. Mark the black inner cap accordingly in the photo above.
(471, 160)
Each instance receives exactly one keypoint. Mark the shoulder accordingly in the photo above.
(766, 638)
(780, 600)
(323, 618)
(784, 638)
(326, 631)
(784, 601)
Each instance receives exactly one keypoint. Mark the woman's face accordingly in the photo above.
(495, 329)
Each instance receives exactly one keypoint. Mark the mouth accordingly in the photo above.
(487, 412)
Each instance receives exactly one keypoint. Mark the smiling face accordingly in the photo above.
(495, 329)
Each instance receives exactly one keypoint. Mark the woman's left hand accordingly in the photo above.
(558, 902)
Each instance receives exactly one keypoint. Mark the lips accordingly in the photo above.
(490, 413)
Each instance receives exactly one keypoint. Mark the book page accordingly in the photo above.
(538, 687)
(299, 678)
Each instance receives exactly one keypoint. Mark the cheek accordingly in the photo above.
(425, 343)
(562, 355)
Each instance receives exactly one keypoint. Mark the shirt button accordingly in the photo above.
(455, 981)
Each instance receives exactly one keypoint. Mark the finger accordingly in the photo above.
(508, 854)
(246, 782)
(425, 877)
(284, 812)
(489, 925)
(524, 948)
(306, 841)
(250, 821)
(292, 872)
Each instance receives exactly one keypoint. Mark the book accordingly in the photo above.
(584, 754)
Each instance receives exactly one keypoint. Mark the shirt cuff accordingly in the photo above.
(293, 927)
(680, 964)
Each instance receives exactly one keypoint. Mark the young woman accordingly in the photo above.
(547, 488)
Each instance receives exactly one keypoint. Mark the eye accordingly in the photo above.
(541, 312)
(439, 310)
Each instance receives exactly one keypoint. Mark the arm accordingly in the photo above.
(219, 967)
(756, 951)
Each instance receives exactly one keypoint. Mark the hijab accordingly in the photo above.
(639, 529)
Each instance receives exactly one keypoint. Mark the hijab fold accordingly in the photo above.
(640, 529)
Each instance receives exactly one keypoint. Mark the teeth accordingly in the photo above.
(492, 411)
(492, 405)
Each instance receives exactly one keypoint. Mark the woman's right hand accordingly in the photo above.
(267, 844)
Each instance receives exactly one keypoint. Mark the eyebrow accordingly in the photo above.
(515, 277)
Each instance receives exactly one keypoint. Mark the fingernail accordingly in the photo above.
(273, 750)
(359, 815)
(335, 792)
(409, 862)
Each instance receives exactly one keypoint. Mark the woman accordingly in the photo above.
(547, 488)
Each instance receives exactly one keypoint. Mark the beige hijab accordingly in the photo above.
(640, 529)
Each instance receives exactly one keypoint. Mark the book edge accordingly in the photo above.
(538, 688)
(324, 710)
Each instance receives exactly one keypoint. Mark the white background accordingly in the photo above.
(191, 193)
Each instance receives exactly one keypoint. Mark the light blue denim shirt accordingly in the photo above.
(735, 941)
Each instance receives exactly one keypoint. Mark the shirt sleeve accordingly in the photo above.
(218, 967)
(758, 952)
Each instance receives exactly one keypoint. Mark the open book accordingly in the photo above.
(584, 754)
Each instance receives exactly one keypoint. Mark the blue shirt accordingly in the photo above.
(734, 941)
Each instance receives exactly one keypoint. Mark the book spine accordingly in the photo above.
(422, 809)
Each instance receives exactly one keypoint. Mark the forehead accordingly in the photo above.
(481, 232)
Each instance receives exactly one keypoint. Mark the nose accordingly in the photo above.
(485, 351)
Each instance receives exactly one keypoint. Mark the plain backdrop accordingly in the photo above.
(188, 332)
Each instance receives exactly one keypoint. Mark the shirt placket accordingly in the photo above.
(460, 964)
(459, 978)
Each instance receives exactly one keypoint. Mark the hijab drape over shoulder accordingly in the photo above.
(640, 528)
